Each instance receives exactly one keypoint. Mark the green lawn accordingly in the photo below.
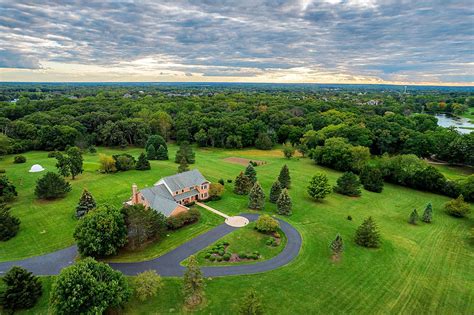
(246, 240)
(454, 172)
(469, 114)
(424, 269)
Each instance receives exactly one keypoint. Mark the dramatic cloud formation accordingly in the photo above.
(340, 41)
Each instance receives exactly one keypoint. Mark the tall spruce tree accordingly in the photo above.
(413, 219)
(337, 246)
(151, 152)
(284, 204)
(142, 164)
(367, 234)
(183, 165)
(284, 177)
(348, 184)
(86, 203)
(162, 153)
(251, 173)
(186, 151)
(372, 179)
(9, 225)
(275, 192)
(428, 214)
(256, 197)
(242, 184)
(193, 287)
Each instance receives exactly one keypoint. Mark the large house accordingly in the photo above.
(171, 194)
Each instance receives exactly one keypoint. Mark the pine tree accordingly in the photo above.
(372, 179)
(275, 192)
(413, 219)
(256, 197)
(162, 153)
(183, 166)
(348, 184)
(284, 204)
(337, 246)
(86, 203)
(142, 163)
(251, 173)
(51, 186)
(284, 177)
(22, 291)
(9, 225)
(251, 304)
(193, 287)
(428, 214)
(186, 151)
(319, 186)
(151, 152)
(242, 184)
(367, 234)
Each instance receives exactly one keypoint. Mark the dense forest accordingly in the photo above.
(336, 126)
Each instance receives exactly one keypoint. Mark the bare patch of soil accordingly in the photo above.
(242, 161)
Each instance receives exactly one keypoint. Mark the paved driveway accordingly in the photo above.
(168, 264)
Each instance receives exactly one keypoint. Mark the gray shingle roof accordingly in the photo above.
(184, 180)
(192, 192)
(160, 199)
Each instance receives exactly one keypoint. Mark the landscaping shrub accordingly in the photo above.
(53, 154)
(229, 181)
(124, 162)
(147, 284)
(19, 159)
(2, 171)
(226, 256)
(207, 255)
(349, 218)
(9, 224)
(92, 149)
(266, 224)
(219, 258)
(182, 219)
(457, 207)
(276, 235)
(107, 164)
(221, 181)
(242, 255)
(7, 189)
(212, 258)
(216, 190)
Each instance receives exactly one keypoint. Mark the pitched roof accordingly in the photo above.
(160, 199)
(184, 180)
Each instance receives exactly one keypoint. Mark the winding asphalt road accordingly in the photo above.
(168, 264)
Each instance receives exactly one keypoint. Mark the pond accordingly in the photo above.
(463, 125)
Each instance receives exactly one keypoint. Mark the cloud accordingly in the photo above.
(297, 40)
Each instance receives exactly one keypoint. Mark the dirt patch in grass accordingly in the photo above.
(242, 161)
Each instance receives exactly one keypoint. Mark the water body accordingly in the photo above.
(446, 121)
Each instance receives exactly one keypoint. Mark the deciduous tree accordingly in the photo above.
(147, 284)
(193, 287)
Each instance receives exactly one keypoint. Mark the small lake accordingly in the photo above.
(446, 121)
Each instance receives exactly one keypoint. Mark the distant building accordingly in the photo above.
(171, 194)
(374, 102)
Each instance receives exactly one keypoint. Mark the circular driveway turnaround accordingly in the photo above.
(168, 265)
(237, 221)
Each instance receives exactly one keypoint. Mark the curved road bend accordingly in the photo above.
(168, 265)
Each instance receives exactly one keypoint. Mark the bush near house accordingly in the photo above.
(182, 219)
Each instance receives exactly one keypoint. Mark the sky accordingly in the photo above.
(300, 41)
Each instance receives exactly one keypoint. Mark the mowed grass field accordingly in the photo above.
(424, 269)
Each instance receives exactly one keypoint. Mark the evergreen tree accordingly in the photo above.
(22, 291)
(251, 304)
(183, 166)
(242, 184)
(86, 203)
(275, 192)
(348, 184)
(284, 177)
(337, 246)
(193, 287)
(372, 179)
(428, 214)
(284, 203)
(367, 234)
(413, 219)
(51, 186)
(251, 173)
(9, 225)
(7, 189)
(151, 152)
(156, 141)
(186, 151)
(162, 153)
(319, 186)
(256, 197)
(263, 142)
(142, 163)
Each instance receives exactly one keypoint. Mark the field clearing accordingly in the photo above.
(426, 269)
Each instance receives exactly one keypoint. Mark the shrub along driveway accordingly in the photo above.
(168, 265)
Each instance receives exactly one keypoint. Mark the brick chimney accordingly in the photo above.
(134, 194)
